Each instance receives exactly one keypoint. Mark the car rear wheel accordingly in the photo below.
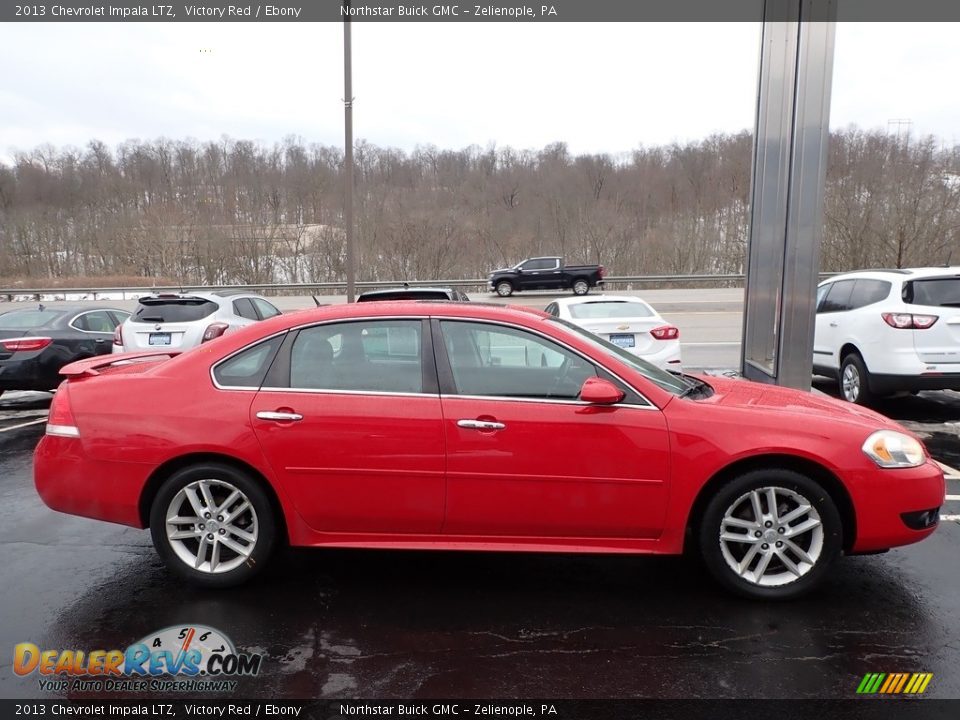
(855, 380)
(581, 287)
(504, 289)
(213, 525)
(770, 534)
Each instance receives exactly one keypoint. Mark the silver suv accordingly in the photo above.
(178, 321)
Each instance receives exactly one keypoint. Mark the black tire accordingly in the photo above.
(264, 524)
(731, 495)
(581, 287)
(854, 383)
(504, 288)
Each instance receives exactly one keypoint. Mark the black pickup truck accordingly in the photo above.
(546, 273)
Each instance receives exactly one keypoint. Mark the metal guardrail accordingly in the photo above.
(304, 288)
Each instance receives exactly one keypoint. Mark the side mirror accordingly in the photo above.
(598, 391)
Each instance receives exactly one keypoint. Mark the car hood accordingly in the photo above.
(743, 394)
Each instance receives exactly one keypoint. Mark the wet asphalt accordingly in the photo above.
(365, 624)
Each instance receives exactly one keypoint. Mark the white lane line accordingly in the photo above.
(22, 425)
(949, 472)
(955, 518)
(953, 497)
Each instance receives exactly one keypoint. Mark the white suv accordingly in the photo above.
(880, 332)
(178, 321)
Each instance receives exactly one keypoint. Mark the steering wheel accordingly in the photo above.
(561, 376)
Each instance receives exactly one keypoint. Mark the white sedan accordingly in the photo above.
(627, 322)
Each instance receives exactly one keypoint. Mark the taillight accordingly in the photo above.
(603, 271)
(665, 332)
(118, 336)
(25, 344)
(60, 421)
(214, 330)
(908, 321)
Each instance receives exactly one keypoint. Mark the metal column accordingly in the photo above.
(789, 170)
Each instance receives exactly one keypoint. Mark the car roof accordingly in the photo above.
(583, 299)
(413, 308)
(63, 308)
(411, 289)
(897, 274)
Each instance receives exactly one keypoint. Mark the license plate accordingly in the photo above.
(624, 341)
(159, 338)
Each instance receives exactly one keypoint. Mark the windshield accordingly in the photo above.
(609, 309)
(661, 378)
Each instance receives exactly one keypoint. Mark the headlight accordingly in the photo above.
(892, 449)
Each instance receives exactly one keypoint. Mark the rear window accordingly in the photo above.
(173, 309)
(938, 292)
(26, 319)
(249, 367)
(602, 310)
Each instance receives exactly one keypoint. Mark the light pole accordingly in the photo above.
(348, 149)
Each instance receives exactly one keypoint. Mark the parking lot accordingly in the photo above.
(365, 624)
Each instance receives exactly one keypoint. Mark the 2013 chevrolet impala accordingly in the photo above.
(464, 426)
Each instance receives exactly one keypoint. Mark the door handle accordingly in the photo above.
(279, 416)
(480, 425)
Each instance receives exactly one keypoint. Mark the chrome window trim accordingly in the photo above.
(304, 326)
(213, 377)
(326, 391)
(553, 401)
(589, 359)
(92, 332)
(367, 318)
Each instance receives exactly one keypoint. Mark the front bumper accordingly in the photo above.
(888, 501)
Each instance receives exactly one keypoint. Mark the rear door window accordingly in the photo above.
(173, 309)
(97, 321)
(838, 297)
(936, 292)
(368, 356)
(244, 308)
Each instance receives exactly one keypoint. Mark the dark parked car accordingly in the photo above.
(413, 293)
(36, 342)
(546, 273)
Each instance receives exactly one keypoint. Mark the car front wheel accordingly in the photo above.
(213, 525)
(855, 380)
(770, 534)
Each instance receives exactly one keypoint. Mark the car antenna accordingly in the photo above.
(40, 307)
(315, 301)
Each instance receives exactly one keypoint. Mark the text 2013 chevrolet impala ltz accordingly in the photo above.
(455, 425)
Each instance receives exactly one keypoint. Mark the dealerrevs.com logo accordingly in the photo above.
(185, 658)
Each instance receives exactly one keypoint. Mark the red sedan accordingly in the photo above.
(472, 427)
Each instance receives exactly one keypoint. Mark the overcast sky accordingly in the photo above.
(598, 87)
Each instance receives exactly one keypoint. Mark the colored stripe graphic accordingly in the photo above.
(894, 683)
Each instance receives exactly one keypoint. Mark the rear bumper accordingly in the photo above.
(69, 482)
(889, 504)
(32, 373)
(666, 358)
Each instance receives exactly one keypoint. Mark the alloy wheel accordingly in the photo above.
(771, 536)
(212, 526)
(850, 383)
